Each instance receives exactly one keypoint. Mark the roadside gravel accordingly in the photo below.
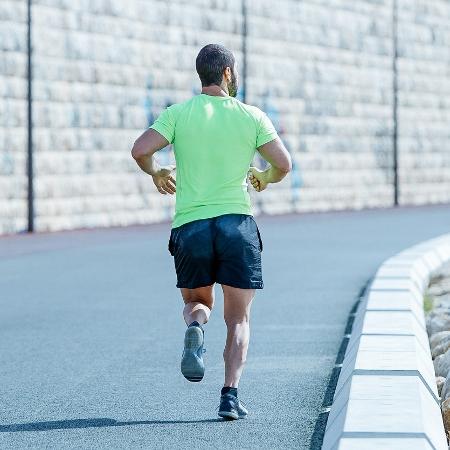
(437, 314)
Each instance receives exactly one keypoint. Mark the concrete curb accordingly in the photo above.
(386, 396)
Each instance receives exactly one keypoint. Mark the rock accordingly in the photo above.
(445, 408)
(442, 364)
(444, 271)
(440, 286)
(437, 322)
(440, 381)
(440, 309)
(445, 388)
(436, 290)
(437, 338)
(442, 301)
(435, 277)
(441, 347)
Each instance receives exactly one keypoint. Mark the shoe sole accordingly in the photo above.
(228, 415)
(192, 366)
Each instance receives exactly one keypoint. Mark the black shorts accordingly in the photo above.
(225, 249)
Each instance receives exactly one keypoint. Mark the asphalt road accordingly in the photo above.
(91, 333)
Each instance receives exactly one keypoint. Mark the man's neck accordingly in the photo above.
(215, 90)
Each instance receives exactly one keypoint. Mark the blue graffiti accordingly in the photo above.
(165, 156)
(274, 115)
(7, 165)
(148, 102)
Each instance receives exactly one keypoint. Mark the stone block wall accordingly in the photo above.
(13, 116)
(424, 101)
(321, 69)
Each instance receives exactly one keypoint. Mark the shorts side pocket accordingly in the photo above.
(171, 245)
(259, 237)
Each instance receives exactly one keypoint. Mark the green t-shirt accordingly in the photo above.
(214, 140)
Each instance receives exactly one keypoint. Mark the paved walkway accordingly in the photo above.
(91, 333)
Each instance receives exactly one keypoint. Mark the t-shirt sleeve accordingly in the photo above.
(165, 124)
(266, 130)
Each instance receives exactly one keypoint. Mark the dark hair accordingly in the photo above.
(211, 62)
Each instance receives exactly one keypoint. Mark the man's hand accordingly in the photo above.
(164, 181)
(257, 178)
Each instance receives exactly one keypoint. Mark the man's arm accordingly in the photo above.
(143, 150)
(276, 154)
(145, 146)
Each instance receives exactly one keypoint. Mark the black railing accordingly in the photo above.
(395, 100)
(244, 51)
(30, 190)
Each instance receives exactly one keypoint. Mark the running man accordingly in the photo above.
(214, 236)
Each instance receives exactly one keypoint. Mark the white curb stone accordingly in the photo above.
(396, 301)
(385, 443)
(396, 354)
(386, 395)
(418, 266)
(401, 272)
(384, 406)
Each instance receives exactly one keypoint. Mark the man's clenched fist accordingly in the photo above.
(164, 181)
(257, 178)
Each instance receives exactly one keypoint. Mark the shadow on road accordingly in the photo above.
(321, 423)
(87, 423)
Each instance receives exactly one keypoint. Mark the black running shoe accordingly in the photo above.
(192, 366)
(231, 407)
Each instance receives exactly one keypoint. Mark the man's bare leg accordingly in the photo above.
(198, 304)
(197, 309)
(237, 303)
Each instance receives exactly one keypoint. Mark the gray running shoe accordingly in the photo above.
(231, 407)
(192, 366)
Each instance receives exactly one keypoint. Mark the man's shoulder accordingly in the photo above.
(254, 110)
(177, 107)
(251, 110)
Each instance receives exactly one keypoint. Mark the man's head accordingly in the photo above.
(216, 65)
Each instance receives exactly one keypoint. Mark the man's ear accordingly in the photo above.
(227, 74)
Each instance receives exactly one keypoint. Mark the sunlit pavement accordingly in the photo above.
(91, 333)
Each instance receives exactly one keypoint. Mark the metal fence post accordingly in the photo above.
(30, 190)
(395, 100)
(244, 51)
